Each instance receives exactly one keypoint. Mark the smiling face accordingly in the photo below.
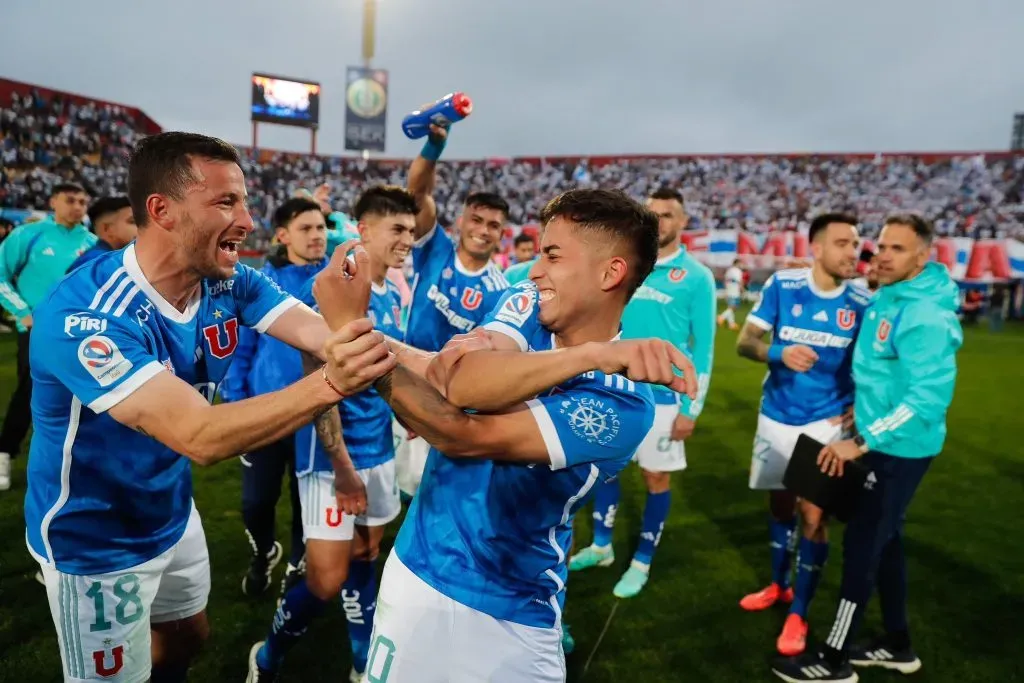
(212, 219)
(572, 275)
(388, 239)
(836, 249)
(480, 230)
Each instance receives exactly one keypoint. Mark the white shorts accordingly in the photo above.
(422, 636)
(658, 452)
(383, 502)
(410, 459)
(103, 621)
(321, 518)
(774, 444)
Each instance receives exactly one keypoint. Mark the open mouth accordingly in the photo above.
(546, 295)
(479, 242)
(229, 249)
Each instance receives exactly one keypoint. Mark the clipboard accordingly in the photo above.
(838, 496)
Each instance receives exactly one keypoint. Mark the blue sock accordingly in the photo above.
(782, 536)
(655, 514)
(293, 617)
(606, 502)
(359, 601)
(810, 560)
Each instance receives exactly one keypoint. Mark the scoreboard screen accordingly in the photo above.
(285, 101)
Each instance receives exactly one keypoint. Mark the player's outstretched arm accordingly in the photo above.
(499, 378)
(175, 414)
(423, 179)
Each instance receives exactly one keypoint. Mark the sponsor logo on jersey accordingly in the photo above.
(676, 274)
(83, 322)
(647, 293)
(222, 338)
(846, 318)
(471, 298)
(100, 356)
(444, 306)
(222, 286)
(590, 419)
(798, 335)
(517, 309)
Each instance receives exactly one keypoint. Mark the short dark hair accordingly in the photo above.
(921, 226)
(295, 206)
(385, 200)
(615, 214)
(105, 206)
(162, 164)
(668, 193)
(69, 187)
(488, 200)
(523, 238)
(820, 222)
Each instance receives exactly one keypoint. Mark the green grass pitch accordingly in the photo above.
(963, 544)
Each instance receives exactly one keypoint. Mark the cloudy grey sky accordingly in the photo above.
(558, 76)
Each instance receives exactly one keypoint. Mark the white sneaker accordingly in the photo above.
(5, 471)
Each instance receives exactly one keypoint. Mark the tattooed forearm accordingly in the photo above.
(328, 420)
(419, 406)
(751, 343)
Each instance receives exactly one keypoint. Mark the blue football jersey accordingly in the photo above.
(494, 536)
(796, 312)
(365, 417)
(447, 299)
(101, 496)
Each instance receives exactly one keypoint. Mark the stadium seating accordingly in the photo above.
(47, 136)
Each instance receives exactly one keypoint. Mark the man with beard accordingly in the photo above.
(126, 357)
(675, 303)
(814, 315)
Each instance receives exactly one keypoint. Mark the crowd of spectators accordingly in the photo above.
(44, 142)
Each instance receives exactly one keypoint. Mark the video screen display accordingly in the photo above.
(285, 101)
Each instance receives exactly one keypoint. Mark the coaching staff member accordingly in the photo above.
(904, 369)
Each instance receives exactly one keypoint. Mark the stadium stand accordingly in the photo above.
(47, 136)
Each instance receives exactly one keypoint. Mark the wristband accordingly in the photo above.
(432, 149)
(323, 372)
(775, 353)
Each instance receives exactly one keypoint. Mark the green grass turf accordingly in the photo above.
(965, 564)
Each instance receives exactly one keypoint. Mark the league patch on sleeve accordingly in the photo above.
(517, 309)
(100, 356)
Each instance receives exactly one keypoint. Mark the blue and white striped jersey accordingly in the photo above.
(796, 312)
(494, 536)
(103, 497)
